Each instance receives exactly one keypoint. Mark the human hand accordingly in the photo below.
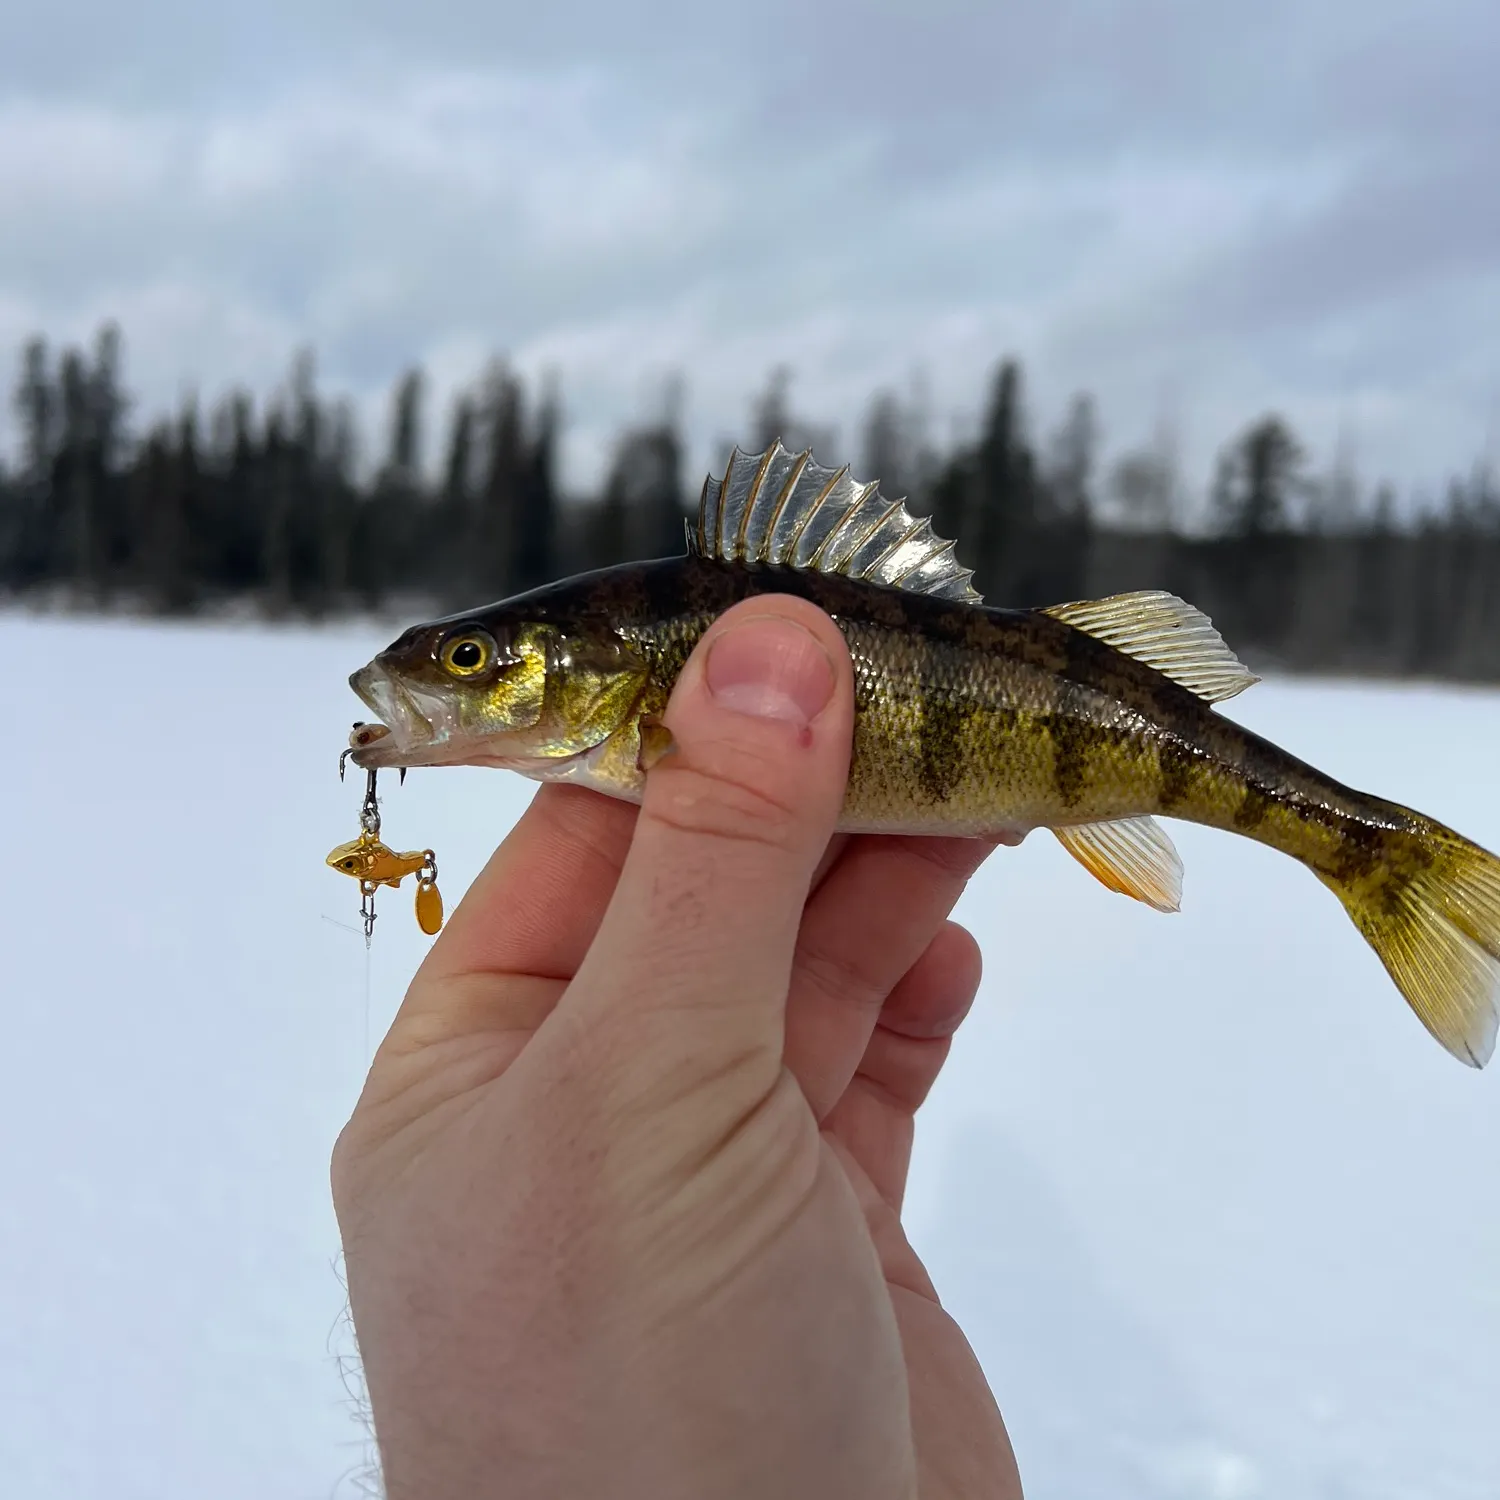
(620, 1199)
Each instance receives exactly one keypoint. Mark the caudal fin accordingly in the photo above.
(1432, 913)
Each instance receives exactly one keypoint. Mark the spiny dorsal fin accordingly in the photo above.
(1133, 856)
(783, 509)
(1166, 633)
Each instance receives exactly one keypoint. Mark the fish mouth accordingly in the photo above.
(413, 739)
(414, 728)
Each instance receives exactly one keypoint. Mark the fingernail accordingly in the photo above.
(770, 668)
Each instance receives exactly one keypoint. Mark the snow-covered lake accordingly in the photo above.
(1220, 1218)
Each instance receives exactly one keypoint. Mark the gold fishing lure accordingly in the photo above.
(373, 864)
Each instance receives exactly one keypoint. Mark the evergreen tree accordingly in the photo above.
(388, 548)
(536, 498)
(608, 539)
(74, 500)
(1143, 486)
(108, 409)
(770, 415)
(36, 406)
(642, 513)
(664, 532)
(239, 548)
(457, 511)
(885, 453)
(339, 514)
(1000, 518)
(307, 488)
(494, 564)
(274, 499)
(772, 419)
(1070, 469)
(458, 481)
(1258, 480)
(167, 483)
(35, 560)
(276, 512)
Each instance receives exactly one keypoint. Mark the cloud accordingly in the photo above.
(1222, 212)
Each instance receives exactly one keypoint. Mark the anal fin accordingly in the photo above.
(1133, 856)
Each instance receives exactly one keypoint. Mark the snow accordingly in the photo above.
(1218, 1215)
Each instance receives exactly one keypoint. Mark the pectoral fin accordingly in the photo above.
(656, 742)
(1133, 856)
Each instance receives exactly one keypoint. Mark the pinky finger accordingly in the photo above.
(874, 1118)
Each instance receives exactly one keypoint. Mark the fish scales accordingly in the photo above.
(1088, 718)
(988, 718)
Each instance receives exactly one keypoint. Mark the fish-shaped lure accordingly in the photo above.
(367, 859)
(1085, 718)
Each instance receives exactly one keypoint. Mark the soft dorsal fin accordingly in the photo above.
(1166, 633)
(783, 509)
(1133, 856)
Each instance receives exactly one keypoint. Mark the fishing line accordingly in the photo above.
(367, 1058)
(369, 971)
(372, 864)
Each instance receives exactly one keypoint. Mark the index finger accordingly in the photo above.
(535, 907)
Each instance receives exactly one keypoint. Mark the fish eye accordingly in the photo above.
(469, 654)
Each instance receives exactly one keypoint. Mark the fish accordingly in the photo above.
(1092, 719)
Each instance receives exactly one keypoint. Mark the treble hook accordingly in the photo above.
(366, 734)
(374, 865)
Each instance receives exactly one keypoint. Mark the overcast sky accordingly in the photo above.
(1196, 210)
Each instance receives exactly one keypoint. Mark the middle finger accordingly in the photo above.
(872, 918)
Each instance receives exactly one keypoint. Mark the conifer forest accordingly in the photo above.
(276, 507)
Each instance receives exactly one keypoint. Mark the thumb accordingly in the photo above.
(704, 919)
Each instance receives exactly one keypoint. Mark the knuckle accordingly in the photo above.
(846, 977)
(723, 804)
(952, 858)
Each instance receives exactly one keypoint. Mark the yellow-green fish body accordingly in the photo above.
(1088, 718)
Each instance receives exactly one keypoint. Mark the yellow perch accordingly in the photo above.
(1089, 719)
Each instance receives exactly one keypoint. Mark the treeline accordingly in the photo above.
(275, 508)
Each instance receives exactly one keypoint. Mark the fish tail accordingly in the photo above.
(1429, 905)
